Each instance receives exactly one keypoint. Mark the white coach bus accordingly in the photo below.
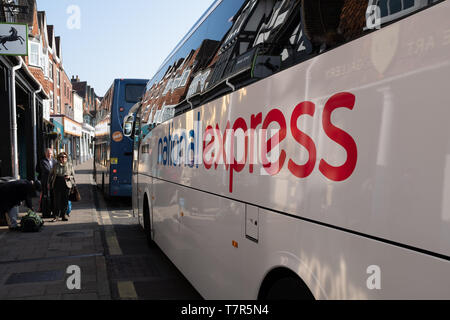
(295, 149)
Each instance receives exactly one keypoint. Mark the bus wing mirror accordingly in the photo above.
(128, 126)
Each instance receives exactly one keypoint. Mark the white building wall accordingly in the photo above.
(78, 108)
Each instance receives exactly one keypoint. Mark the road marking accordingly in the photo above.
(113, 243)
(104, 219)
(127, 290)
(123, 216)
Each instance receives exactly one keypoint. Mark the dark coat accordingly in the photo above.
(13, 193)
(44, 169)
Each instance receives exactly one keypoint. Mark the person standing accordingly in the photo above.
(44, 168)
(61, 181)
(12, 194)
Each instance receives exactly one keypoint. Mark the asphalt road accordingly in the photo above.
(137, 271)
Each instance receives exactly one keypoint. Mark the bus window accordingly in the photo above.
(391, 10)
(133, 92)
(329, 23)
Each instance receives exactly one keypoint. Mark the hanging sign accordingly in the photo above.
(13, 39)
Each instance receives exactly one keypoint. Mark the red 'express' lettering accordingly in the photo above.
(304, 108)
(340, 100)
(215, 150)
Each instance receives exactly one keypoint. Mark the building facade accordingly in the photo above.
(21, 101)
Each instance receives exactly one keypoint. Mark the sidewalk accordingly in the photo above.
(34, 265)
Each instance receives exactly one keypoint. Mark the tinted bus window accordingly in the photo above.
(133, 92)
(214, 28)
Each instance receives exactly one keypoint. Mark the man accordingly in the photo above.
(44, 168)
(12, 194)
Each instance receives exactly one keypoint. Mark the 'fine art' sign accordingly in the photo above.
(13, 39)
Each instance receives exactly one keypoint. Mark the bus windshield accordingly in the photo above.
(133, 92)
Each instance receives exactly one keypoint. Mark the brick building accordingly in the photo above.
(46, 63)
(21, 100)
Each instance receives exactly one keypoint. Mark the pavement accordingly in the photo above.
(37, 266)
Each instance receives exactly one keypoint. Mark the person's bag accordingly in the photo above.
(69, 208)
(32, 222)
(74, 195)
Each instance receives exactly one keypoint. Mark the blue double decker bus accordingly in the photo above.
(113, 151)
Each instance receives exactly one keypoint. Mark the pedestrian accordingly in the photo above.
(61, 181)
(44, 168)
(11, 196)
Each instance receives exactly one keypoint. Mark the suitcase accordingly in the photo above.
(46, 207)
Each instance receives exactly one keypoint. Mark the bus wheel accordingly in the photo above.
(283, 284)
(147, 223)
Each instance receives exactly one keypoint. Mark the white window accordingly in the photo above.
(393, 9)
(46, 65)
(34, 56)
(168, 87)
(176, 83)
(52, 106)
(42, 62)
(58, 77)
(50, 70)
(185, 77)
(58, 101)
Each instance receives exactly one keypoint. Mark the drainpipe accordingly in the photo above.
(190, 103)
(14, 147)
(233, 88)
(35, 126)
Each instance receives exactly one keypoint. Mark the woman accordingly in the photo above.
(61, 181)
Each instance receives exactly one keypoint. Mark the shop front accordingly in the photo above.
(73, 133)
(21, 98)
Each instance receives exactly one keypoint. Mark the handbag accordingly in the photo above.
(74, 195)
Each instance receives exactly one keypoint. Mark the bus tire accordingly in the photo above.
(283, 284)
(147, 222)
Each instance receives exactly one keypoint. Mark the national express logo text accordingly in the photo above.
(249, 142)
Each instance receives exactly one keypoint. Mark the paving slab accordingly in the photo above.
(29, 260)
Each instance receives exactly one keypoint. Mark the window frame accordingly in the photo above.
(34, 45)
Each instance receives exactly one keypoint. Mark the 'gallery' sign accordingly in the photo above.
(13, 39)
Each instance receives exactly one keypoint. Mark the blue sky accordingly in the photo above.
(120, 39)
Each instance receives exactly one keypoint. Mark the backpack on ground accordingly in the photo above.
(32, 222)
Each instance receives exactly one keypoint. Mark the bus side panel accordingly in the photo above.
(379, 125)
(197, 230)
(398, 191)
(339, 265)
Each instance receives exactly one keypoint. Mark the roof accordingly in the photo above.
(58, 46)
(80, 88)
(50, 30)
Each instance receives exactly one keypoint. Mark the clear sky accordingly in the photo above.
(119, 39)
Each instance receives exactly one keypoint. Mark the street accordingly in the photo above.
(104, 240)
